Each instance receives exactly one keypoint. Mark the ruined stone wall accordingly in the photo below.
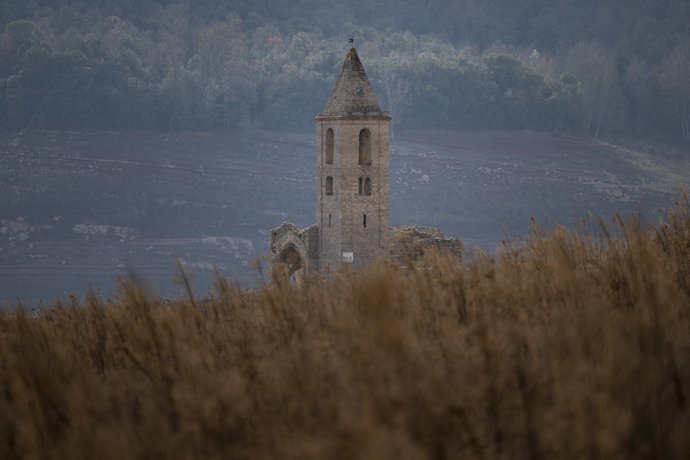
(411, 243)
(304, 241)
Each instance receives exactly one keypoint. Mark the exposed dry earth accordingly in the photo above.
(79, 209)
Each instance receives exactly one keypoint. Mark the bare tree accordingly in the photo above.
(596, 71)
(395, 87)
(675, 74)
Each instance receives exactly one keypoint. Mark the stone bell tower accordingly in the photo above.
(352, 164)
(352, 167)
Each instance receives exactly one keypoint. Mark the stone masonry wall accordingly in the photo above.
(346, 207)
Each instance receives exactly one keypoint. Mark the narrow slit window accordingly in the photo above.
(329, 221)
(329, 185)
(329, 146)
(364, 221)
(365, 147)
(361, 186)
(367, 187)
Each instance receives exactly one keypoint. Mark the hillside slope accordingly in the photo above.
(78, 209)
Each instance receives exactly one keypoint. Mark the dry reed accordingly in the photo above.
(570, 345)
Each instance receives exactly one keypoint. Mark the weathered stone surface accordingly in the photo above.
(352, 150)
(295, 247)
(352, 93)
(340, 216)
(413, 242)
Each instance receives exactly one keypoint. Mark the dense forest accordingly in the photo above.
(616, 67)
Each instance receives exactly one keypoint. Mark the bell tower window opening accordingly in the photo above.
(329, 146)
(364, 188)
(365, 147)
(329, 186)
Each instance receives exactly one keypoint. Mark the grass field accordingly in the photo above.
(568, 345)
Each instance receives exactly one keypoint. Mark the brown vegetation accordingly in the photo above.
(570, 345)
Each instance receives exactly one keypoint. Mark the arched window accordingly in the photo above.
(364, 186)
(365, 147)
(291, 257)
(329, 185)
(329, 146)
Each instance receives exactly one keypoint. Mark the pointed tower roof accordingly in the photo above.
(352, 94)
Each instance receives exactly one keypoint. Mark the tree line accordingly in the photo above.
(604, 67)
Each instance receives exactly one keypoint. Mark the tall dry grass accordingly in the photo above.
(569, 345)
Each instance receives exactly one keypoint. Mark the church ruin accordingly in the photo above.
(352, 197)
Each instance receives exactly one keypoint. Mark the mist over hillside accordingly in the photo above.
(609, 67)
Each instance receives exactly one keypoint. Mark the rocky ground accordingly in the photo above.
(78, 209)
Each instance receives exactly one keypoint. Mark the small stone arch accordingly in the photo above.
(367, 187)
(294, 247)
(292, 259)
(364, 186)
